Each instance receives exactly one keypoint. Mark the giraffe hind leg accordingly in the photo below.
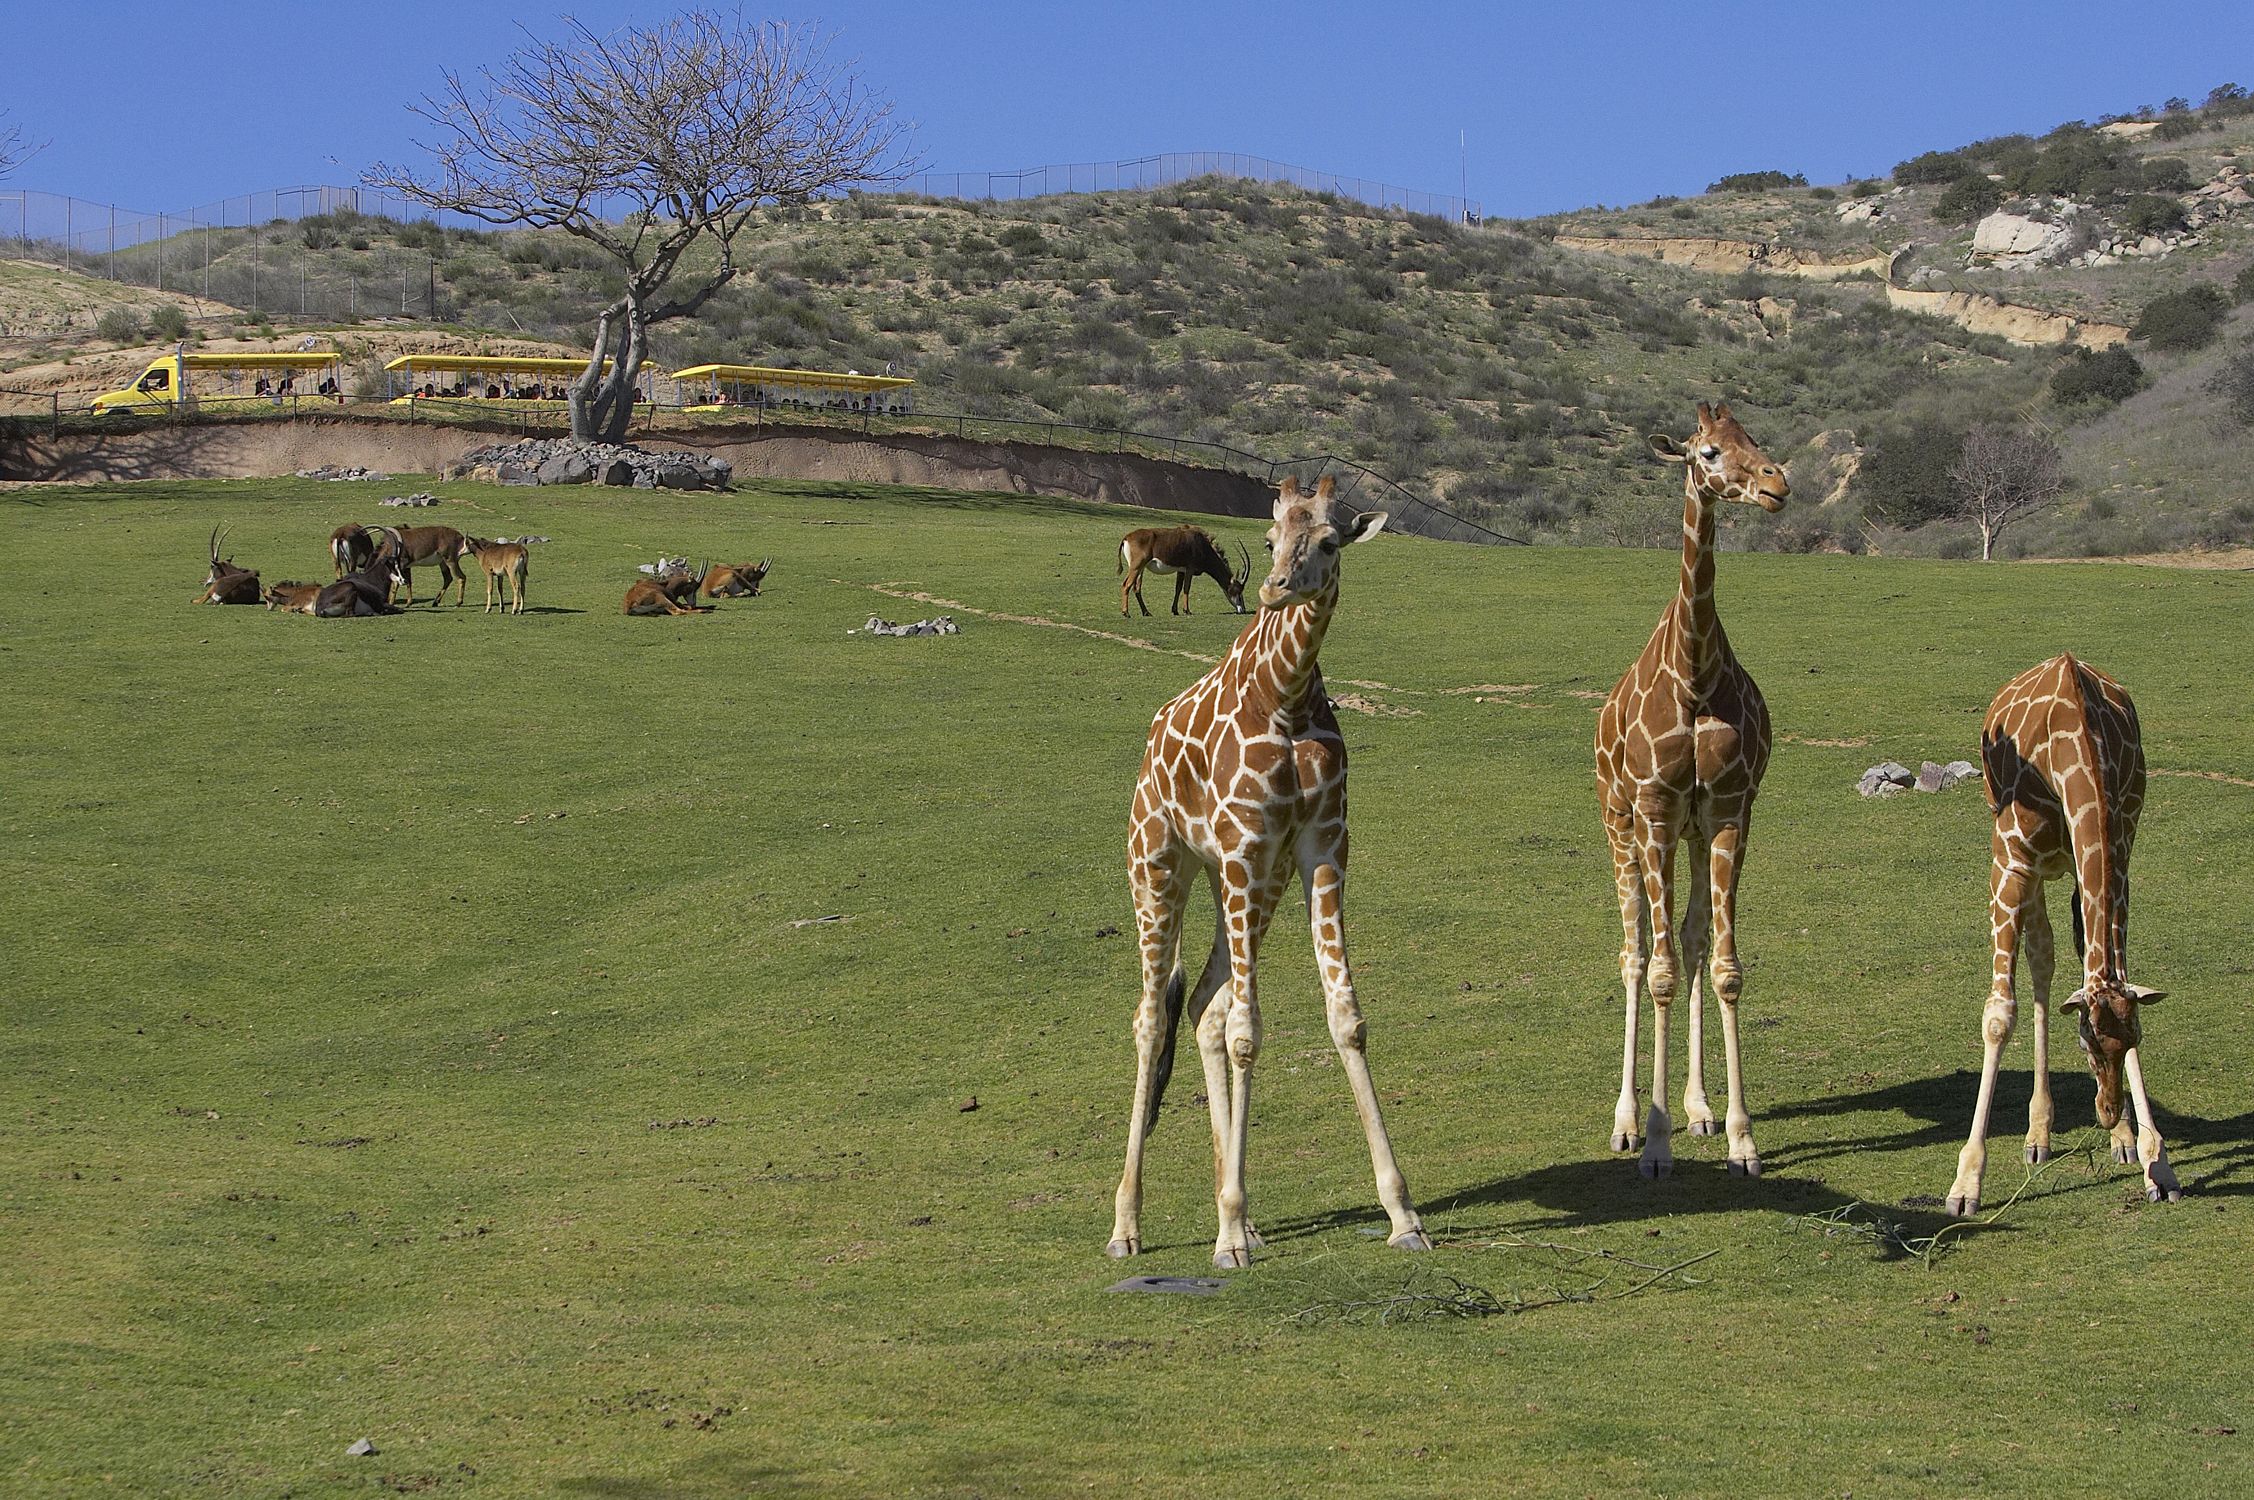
(1158, 874)
(1627, 1125)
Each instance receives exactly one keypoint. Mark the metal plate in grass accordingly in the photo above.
(1186, 1286)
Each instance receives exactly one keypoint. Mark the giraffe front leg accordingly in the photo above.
(1627, 1128)
(2041, 954)
(1658, 864)
(1158, 874)
(1209, 1022)
(1698, 923)
(1725, 862)
(2009, 884)
(2159, 1177)
(1250, 901)
(1326, 911)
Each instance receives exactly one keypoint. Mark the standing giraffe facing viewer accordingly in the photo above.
(2064, 766)
(1681, 745)
(1244, 777)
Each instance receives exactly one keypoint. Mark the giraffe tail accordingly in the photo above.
(1165, 1049)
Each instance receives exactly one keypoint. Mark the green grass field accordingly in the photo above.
(408, 1034)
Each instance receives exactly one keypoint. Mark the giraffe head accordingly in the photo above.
(1303, 542)
(2107, 1016)
(1725, 463)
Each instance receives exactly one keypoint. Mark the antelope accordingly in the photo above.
(662, 595)
(497, 561)
(735, 580)
(350, 547)
(681, 584)
(294, 598)
(426, 544)
(226, 583)
(1186, 552)
(365, 591)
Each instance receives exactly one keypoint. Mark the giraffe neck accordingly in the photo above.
(1702, 643)
(1276, 671)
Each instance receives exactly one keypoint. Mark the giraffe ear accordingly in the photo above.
(2079, 1000)
(1364, 526)
(2143, 996)
(1667, 448)
(1722, 413)
(1705, 414)
(1290, 490)
(1326, 487)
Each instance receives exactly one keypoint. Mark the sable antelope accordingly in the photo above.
(735, 580)
(499, 560)
(662, 595)
(427, 544)
(681, 584)
(294, 598)
(350, 547)
(1186, 552)
(226, 583)
(366, 591)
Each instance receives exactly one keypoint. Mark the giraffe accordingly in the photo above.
(2064, 767)
(1681, 744)
(1244, 777)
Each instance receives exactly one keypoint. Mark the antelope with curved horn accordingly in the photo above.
(1187, 552)
(671, 592)
(409, 545)
(735, 580)
(351, 547)
(227, 583)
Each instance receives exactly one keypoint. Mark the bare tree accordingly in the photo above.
(645, 142)
(14, 149)
(2004, 474)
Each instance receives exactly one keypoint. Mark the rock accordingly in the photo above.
(361, 1449)
(1886, 779)
(1860, 211)
(2015, 238)
(564, 461)
(513, 474)
(565, 468)
(618, 472)
(678, 476)
(1939, 778)
(411, 502)
(942, 625)
(333, 474)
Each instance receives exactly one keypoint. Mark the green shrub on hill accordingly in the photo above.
(1757, 182)
(2088, 379)
(1904, 479)
(2149, 213)
(169, 323)
(1970, 197)
(2234, 383)
(2242, 285)
(119, 324)
(2185, 319)
(1933, 168)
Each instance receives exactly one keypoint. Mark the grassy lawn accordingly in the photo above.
(408, 1034)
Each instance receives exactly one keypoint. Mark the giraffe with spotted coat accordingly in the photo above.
(1681, 743)
(1244, 779)
(2064, 765)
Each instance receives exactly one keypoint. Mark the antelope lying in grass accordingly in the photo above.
(351, 547)
(498, 561)
(672, 592)
(226, 583)
(409, 545)
(735, 580)
(294, 598)
(365, 591)
(1187, 552)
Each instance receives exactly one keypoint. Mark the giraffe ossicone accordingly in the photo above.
(2063, 760)
(1244, 780)
(1681, 743)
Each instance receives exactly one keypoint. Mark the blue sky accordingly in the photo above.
(168, 106)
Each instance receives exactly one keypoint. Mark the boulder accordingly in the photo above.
(1886, 779)
(1932, 777)
(511, 473)
(675, 475)
(566, 468)
(2015, 238)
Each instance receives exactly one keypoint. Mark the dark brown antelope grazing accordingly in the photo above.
(426, 544)
(350, 547)
(664, 595)
(1187, 552)
(365, 591)
(735, 580)
(294, 598)
(498, 561)
(226, 583)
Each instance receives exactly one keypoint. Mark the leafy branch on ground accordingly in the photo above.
(1872, 1223)
(1572, 1275)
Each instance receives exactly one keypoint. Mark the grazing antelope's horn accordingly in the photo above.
(1246, 576)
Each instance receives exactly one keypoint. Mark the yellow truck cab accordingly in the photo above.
(181, 381)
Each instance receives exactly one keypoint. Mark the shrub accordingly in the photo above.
(2098, 379)
(1823, 194)
(1756, 182)
(169, 323)
(2186, 319)
(1868, 187)
(1904, 478)
(2234, 383)
(1970, 197)
(2149, 213)
(120, 325)
(2165, 174)
(2242, 285)
(2176, 127)
(1934, 167)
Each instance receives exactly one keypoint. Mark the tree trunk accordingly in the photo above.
(602, 402)
(1987, 542)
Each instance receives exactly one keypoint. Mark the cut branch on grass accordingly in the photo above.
(1572, 1276)
(1870, 1223)
(647, 142)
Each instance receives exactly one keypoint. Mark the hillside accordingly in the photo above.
(1510, 370)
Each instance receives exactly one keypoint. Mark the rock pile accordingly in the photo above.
(566, 461)
(415, 501)
(1891, 778)
(943, 625)
(333, 474)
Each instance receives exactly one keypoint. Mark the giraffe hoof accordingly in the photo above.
(1705, 1127)
(1231, 1260)
(1655, 1167)
(1749, 1166)
(1961, 1206)
(1121, 1249)
(2037, 1155)
(1624, 1141)
(1414, 1239)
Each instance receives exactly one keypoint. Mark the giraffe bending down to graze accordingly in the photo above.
(1244, 778)
(2065, 773)
(1681, 745)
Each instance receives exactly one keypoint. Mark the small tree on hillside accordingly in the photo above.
(646, 143)
(2003, 474)
(14, 149)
